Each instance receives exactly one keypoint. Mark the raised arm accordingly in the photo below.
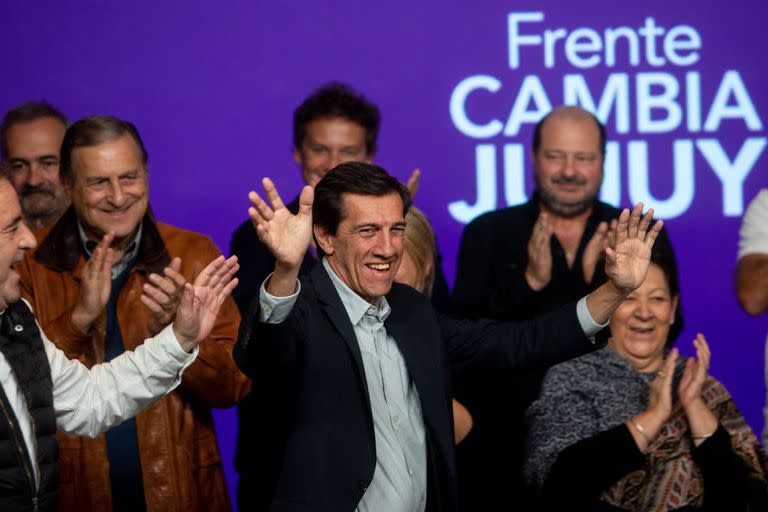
(214, 378)
(626, 261)
(287, 236)
(563, 333)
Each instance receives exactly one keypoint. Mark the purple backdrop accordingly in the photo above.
(212, 88)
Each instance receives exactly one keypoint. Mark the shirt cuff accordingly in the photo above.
(586, 321)
(167, 339)
(274, 310)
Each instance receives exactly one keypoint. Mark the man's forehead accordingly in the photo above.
(121, 155)
(40, 124)
(364, 208)
(44, 133)
(335, 126)
(556, 124)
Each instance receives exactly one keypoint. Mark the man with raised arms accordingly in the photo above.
(366, 363)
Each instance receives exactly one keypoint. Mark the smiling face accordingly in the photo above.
(568, 167)
(15, 239)
(368, 246)
(640, 325)
(109, 189)
(327, 143)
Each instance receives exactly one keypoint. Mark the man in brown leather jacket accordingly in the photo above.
(168, 458)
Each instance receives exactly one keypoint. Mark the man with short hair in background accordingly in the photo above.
(30, 140)
(520, 262)
(168, 458)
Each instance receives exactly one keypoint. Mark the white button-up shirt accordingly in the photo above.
(88, 402)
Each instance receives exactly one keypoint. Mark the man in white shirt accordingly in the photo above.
(42, 390)
(752, 270)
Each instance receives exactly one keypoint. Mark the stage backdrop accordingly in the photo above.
(681, 86)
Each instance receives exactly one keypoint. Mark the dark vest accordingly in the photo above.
(22, 346)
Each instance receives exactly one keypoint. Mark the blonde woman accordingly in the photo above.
(417, 269)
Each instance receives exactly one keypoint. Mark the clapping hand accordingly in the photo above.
(702, 421)
(200, 302)
(660, 389)
(413, 182)
(162, 295)
(596, 248)
(95, 285)
(538, 272)
(695, 373)
(646, 425)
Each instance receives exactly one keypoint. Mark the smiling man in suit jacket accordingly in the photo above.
(366, 363)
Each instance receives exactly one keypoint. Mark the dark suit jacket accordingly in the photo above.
(256, 263)
(328, 451)
(490, 283)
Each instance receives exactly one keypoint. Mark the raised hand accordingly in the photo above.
(594, 250)
(628, 258)
(538, 273)
(413, 182)
(95, 285)
(218, 271)
(200, 303)
(162, 295)
(287, 236)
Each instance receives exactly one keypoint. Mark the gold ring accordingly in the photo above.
(661, 374)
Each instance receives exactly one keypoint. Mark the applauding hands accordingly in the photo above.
(200, 302)
(192, 307)
(95, 285)
(702, 421)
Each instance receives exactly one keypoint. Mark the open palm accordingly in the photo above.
(287, 236)
(201, 302)
(628, 258)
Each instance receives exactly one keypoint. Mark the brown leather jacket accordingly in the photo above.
(179, 455)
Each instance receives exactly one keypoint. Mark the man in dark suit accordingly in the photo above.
(365, 363)
(334, 124)
(520, 262)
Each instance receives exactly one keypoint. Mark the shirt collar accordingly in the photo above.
(130, 253)
(355, 305)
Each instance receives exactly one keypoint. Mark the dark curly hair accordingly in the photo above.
(336, 99)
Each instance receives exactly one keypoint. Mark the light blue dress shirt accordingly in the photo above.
(400, 480)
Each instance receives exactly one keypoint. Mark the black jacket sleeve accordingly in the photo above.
(585, 469)
(546, 340)
(727, 483)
